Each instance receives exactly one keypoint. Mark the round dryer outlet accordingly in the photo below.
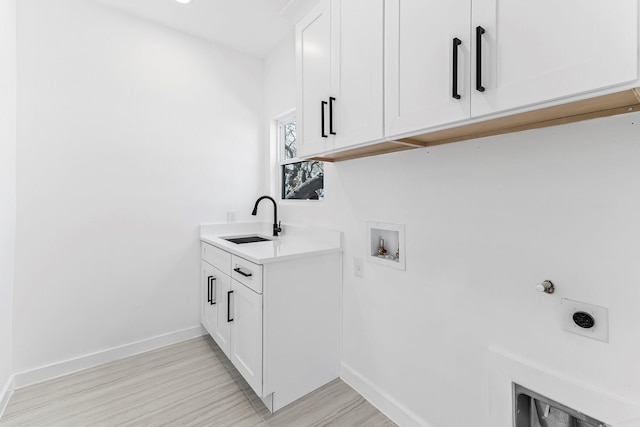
(585, 319)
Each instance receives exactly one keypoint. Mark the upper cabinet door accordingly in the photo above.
(535, 51)
(313, 73)
(356, 100)
(419, 63)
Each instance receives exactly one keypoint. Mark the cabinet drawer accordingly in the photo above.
(216, 257)
(247, 273)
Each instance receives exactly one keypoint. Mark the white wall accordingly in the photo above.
(486, 220)
(7, 184)
(278, 101)
(130, 136)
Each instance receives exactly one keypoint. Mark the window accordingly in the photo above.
(299, 180)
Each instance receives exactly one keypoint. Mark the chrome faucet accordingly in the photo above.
(276, 224)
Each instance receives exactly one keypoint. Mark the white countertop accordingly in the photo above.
(292, 243)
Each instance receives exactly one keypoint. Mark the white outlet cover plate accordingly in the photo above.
(357, 267)
(600, 329)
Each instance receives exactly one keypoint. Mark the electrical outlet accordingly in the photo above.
(231, 217)
(585, 319)
(358, 267)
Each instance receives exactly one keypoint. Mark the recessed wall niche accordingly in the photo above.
(386, 244)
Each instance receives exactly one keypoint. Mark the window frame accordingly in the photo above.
(280, 161)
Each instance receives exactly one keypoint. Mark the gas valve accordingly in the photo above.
(546, 287)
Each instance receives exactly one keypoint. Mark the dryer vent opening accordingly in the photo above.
(531, 409)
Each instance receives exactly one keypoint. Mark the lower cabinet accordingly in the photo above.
(215, 305)
(209, 306)
(278, 323)
(246, 334)
(232, 314)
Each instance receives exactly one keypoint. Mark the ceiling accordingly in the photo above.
(254, 27)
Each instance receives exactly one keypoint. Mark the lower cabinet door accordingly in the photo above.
(214, 307)
(246, 333)
(222, 325)
(207, 308)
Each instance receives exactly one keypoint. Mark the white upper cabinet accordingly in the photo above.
(313, 71)
(339, 63)
(377, 76)
(514, 54)
(357, 77)
(423, 40)
(536, 51)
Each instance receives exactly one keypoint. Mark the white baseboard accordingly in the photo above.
(6, 393)
(55, 370)
(386, 404)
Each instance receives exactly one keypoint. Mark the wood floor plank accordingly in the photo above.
(334, 404)
(79, 382)
(190, 383)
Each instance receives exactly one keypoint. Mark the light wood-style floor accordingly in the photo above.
(186, 384)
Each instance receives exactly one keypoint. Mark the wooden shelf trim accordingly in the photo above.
(368, 150)
(601, 106)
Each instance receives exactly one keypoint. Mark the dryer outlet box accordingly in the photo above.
(585, 319)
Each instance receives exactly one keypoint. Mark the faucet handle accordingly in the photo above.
(276, 228)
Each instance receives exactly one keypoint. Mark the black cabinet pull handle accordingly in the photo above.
(209, 288)
(322, 104)
(454, 87)
(212, 285)
(331, 101)
(229, 319)
(479, 32)
(237, 270)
